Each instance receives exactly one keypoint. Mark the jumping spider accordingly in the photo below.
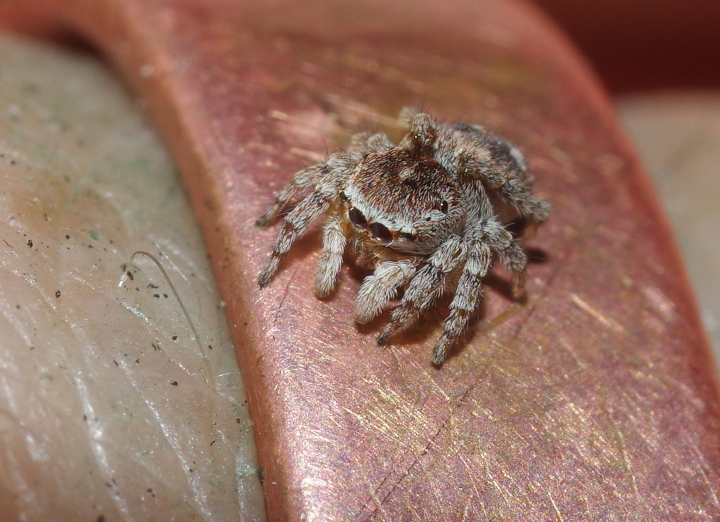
(420, 214)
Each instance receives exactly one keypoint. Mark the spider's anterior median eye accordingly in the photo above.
(381, 233)
(357, 218)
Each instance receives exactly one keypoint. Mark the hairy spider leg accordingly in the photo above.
(378, 288)
(503, 171)
(338, 165)
(482, 240)
(331, 256)
(296, 222)
(425, 287)
(466, 299)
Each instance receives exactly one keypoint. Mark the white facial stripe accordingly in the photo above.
(373, 215)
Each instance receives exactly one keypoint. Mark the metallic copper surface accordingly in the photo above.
(595, 401)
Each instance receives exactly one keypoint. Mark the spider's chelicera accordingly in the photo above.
(422, 215)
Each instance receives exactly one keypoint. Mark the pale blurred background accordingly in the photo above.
(677, 134)
(660, 59)
(110, 409)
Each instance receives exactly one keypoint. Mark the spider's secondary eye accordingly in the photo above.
(409, 236)
(357, 218)
(381, 233)
(444, 207)
(343, 196)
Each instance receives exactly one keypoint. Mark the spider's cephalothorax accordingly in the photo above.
(403, 201)
(422, 215)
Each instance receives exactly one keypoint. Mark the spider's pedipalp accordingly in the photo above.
(334, 242)
(358, 142)
(378, 288)
(421, 135)
(425, 287)
(378, 143)
(363, 143)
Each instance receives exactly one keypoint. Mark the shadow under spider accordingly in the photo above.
(426, 331)
(428, 328)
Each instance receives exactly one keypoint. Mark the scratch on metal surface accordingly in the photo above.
(412, 508)
(713, 494)
(554, 505)
(573, 352)
(606, 321)
(415, 461)
(505, 315)
(433, 484)
(353, 113)
(466, 508)
(380, 425)
(285, 294)
(470, 473)
(418, 455)
(505, 494)
(582, 426)
(626, 461)
(387, 412)
(701, 468)
(420, 370)
(307, 154)
(659, 302)
(373, 495)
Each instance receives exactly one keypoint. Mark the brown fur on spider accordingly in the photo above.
(422, 215)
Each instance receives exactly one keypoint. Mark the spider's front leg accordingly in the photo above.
(340, 163)
(483, 239)
(424, 289)
(326, 179)
(296, 222)
(466, 298)
(302, 180)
